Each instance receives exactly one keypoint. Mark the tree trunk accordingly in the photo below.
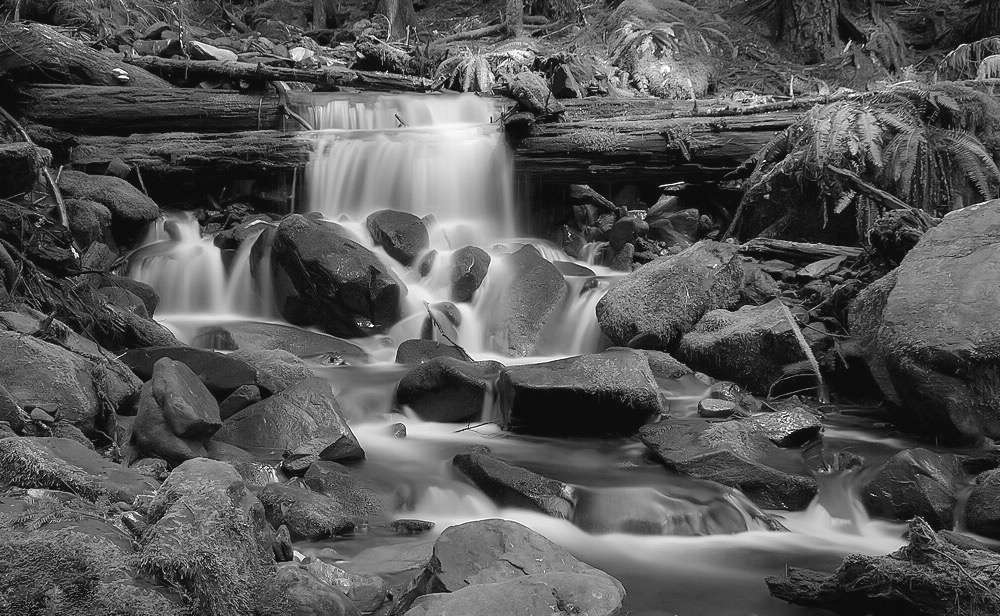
(987, 21)
(402, 18)
(810, 27)
(514, 17)
(319, 14)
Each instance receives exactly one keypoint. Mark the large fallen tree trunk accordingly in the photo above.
(112, 110)
(331, 76)
(36, 53)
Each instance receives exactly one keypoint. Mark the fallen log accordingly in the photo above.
(114, 110)
(330, 77)
(768, 248)
(36, 53)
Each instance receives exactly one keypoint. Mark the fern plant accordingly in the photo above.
(966, 60)
(904, 147)
(477, 71)
(633, 40)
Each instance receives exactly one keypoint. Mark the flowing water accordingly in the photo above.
(680, 546)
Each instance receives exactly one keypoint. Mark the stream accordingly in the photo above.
(444, 157)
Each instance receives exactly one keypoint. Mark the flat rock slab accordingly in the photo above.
(220, 373)
(255, 335)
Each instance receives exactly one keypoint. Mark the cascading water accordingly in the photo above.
(672, 541)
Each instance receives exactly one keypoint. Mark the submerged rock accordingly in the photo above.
(930, 335)
(401, 234)
(513, 486)
(341, 285)
(656, 304)
(736, 454)
(448, 389)
(589, 395)
(915, 482)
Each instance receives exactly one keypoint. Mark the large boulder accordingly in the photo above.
(750, 346)
(915, 482)
(658, 303)
(518, 315)
(307, 514)
(276, 370)
(209, 537)
(131, 210)
(64, 464)
(341, 285)
(220, 373)
(468, 269)
(297, 591)
(733, 453)
(934, 339)
(366, 592)
(402, 235)
(982, 509)
(177, 414)
(307, 411)
(253, 335)
(543, 593)
(589, 395)
(513, 486)
(448, 389)
(489, 552)
(359, 502)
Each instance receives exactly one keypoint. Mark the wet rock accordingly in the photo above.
(443, 319)
(420, 351)
(401, 234)
(663, 365)
(398, 430)
(745, 401)
(307, 514)
(490, 552)
(411, 527)
(750, 346)
(537, 290)
(982, 510)
(342, 286)
(448, 389)
(252, 335)
(276, 370)
(141, 290)
(589, 395)
(308, 410)
(177, 414)
(928, 577)
(568, 268)
(581, 194)
(733, 453)
(131, 210)
(64, 464)
(915, 482)
(712, 408)
(656, 304)
(928, 334)
(532, 93)
(89, 221)
(468, 269)
(209, 537)
(619, 259)
(513, 486)
(123, 299)
(626, 230)
(789, 428)
(359, 502)
(545, 593)
(366, 592)
(282, 545)
(297, 592)
(220, 373)
(244, 396)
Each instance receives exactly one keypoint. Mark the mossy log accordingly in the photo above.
(36, 53)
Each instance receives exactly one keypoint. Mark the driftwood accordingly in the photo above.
(114, 110)
(36, 53)
(767, 248)
(330, 77)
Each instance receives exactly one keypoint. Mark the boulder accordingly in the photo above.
(982, 510)
(252, 335)
(296, 591)
(123, 299)
(733, 453)
(536, 291)
(788, 427)
(64, 464)
(342, 286)
(664, 366)
(220, 373)
(420, 351)
(713, 408)
(177, 414)
(490, 552)
(131, 210)
(209, 538)
(141, 290)
(513, 486)
(244, 396)
(448, 389)
(468, 269)
(308, 515)
(750, 346)
(89, 221)
(359, 502)
(532, 94)
(589, 395)
(308, 410)
(564, 84)
(915, 482)
(366, 592)
(658, 303)
(276, 370)
(930, 334)
(543, 593)
(401, 234)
